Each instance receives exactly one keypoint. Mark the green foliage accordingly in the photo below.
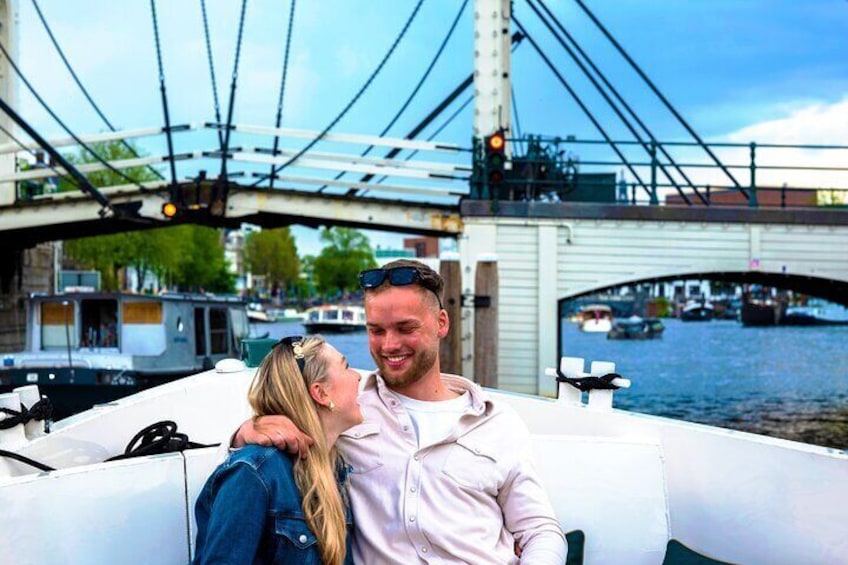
(347, 252)
(273, 254)
(188, 257)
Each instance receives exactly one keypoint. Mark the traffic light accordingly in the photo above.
(495, 146)
(170, 210)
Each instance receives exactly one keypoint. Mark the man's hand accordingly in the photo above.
(278, 431)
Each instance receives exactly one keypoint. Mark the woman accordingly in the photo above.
(260, 506)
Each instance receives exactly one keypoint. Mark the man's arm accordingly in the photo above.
(278, 431)
(526, 507)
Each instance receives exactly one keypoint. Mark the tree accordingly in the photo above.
(170, 253)
(273, 254)
(336, 269)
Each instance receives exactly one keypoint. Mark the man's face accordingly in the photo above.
(404, 328)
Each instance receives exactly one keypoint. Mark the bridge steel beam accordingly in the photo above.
(73, 215)
(547, 252)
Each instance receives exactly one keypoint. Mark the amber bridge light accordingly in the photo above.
(496, 142)
(169, 210)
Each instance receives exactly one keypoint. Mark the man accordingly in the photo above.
(438, 472)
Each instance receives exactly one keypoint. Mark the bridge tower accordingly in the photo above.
(492, 43)
(8, 91)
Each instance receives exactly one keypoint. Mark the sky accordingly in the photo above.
(770, 71)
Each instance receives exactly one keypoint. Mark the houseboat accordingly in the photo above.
(816, 312)
(697, 311)
(85, 348)
(335, 318)
(596, 318)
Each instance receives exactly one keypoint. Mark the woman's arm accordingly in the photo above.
(236, 520)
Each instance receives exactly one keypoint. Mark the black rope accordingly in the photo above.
(161, 437)
(24, 459)
(350, 104)
(659, 95)
(415, 90)
(279, 119)
(212, 72)
(32, 152)
(586, 384)
(40, 411)
(47, 108)
(580, 103)
(164, 95)
(81, 87)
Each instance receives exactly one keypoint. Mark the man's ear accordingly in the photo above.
(444, 324)
(318, 394)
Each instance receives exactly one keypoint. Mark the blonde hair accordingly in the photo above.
(280, 388)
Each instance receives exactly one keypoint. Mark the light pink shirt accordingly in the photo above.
(464, 499)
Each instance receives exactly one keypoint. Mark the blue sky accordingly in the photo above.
(737, 70)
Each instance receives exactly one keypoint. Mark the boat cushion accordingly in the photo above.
(613, 490)
(575, 539)
(678, 554)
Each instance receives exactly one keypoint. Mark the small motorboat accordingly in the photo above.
(257, 313)
(697, 311)
(636, 327)
(335, 318)
(595, 318)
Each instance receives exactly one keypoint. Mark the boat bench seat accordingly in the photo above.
(611, 489)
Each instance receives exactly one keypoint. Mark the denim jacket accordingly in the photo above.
(250, 511)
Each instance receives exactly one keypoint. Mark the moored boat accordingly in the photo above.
(335, 318)
(816, 313)
(636, 327)
(84, 348)
(286, 314)
(697, 311)
(257, 313)
(595, 318)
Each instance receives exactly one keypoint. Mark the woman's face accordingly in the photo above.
(342, 387)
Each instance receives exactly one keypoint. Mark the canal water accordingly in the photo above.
(789, 382)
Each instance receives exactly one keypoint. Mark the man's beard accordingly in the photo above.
(421, 363)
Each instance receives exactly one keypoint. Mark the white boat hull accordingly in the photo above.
(629, 481)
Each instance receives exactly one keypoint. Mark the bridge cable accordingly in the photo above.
(583, 107)
(620, 99)
(350, 104)
(32, 152)
(164, 101)
(279, 119)
(609, 101)
(223, 176)
(46, 145)
(85, 93)
(415, 90)
(516, 39)
(662, 98)
(212, 71)
(515, 113)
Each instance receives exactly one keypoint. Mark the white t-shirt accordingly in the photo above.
(434, 420)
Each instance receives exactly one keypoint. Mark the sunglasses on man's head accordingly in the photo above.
(296, 343)
(397, 276)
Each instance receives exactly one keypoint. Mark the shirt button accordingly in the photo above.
(405, 428)
(412, 518)
(302, 538)
(415, 457)
(423, 550)
(411, 489)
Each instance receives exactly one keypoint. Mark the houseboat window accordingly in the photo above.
(199, 331)
(57, 325)
(331, 315)
(99, 321)
(218, 330)
(180, 326)
(347, 315)
(241, 327)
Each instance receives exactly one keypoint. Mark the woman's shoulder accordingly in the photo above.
(260, 458)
